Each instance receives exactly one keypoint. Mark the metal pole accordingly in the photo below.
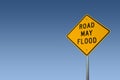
(87, 67)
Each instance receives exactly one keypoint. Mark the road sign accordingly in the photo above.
(87, 34)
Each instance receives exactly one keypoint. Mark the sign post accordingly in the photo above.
(87, 67)
(86, 35)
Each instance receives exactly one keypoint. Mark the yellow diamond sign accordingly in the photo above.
(87, 34)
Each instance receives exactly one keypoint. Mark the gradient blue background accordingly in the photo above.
(33, 43)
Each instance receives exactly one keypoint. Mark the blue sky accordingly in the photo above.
(33, 43)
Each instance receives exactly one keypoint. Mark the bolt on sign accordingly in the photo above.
(87, 34)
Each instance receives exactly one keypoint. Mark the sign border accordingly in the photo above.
(97, 43)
